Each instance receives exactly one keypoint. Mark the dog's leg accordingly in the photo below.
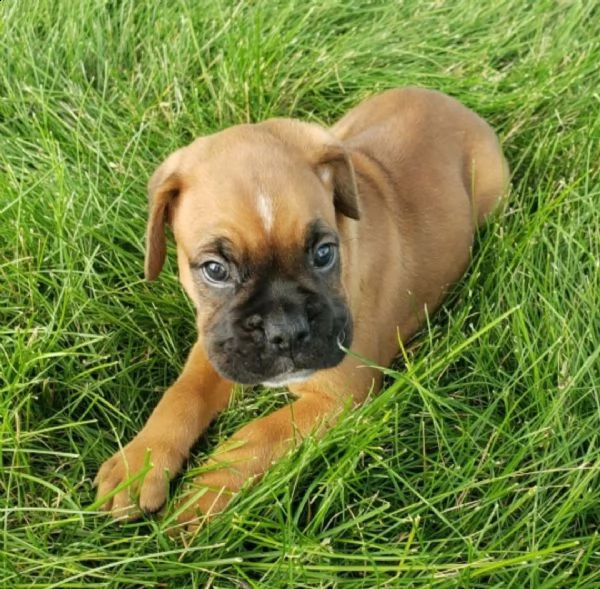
(183, 413)
(250, 452)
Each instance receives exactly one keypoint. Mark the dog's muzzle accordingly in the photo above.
(285, 344)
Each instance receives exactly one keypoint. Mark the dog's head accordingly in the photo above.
(256, 212)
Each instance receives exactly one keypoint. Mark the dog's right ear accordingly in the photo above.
(163, 187)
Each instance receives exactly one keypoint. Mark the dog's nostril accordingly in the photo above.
(282, 344)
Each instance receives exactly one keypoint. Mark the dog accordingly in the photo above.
(305, 251)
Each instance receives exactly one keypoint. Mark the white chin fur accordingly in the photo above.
(284, 380)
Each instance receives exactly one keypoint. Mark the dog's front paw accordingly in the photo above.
(208, 496)
(136, 479)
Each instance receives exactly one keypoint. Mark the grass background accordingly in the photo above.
(478, 466)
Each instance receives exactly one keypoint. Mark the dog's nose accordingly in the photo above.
(286, 332)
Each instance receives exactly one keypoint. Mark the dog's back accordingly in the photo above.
(428, 132)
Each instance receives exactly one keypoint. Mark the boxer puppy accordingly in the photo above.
(304, 250)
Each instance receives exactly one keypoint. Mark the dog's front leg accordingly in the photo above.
(252, 450)
(183, 413)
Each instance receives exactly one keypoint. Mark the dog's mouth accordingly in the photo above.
(296, 376)
(288, 378)
(256, 365)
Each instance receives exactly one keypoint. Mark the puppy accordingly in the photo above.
(296, 244)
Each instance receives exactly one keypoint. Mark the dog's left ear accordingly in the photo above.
(335, 169)
(163, 187)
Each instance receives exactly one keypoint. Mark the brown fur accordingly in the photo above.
(419, 169)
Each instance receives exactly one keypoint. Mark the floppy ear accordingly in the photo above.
(163, 187)
(335, 169)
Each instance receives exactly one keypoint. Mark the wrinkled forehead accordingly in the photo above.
(255, 199)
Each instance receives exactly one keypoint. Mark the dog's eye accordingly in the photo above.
(324, 256)
(215, 272)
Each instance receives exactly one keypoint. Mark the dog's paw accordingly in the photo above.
(136, 479)
(206, 498)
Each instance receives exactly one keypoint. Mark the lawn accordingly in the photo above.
(477, 466)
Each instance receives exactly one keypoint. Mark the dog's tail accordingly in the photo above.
(488, 174)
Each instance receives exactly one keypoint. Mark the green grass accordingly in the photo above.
(479, 464)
